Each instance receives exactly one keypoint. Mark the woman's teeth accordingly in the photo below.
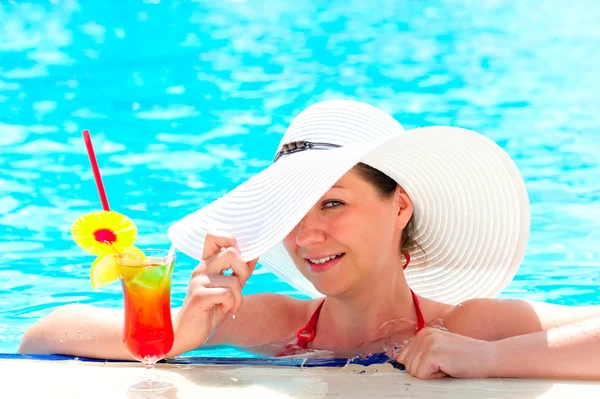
(325, 259)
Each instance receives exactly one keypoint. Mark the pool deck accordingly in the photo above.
(76, 379)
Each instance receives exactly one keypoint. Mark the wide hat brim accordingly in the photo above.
(471, 209)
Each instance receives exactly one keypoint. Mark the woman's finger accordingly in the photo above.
(415, 365)
(208, 297)
(409, 362)
(252, 265)
(402, 355)
(214, 243)
(229, 258)
(231, 283)
(438, 374)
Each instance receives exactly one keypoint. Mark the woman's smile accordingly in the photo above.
(322, 264)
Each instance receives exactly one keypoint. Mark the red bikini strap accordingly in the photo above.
(407, 257)
(308, 333)
(420, 318)
(305, 335)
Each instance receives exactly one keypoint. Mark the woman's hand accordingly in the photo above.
(434, 353)
(211, 295)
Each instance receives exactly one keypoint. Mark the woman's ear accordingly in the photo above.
(404, 207)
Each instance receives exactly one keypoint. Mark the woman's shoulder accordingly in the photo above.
(464, 318)
(478, 317)
(434, 311)
(295, 310)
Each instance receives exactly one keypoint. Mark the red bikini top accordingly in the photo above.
(307, 334)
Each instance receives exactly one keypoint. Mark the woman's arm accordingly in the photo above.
(496, 319)
(571, 351)
(78, 330)
(496, 338)
(89, 331)
(567, 352)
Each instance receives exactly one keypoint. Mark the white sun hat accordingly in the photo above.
(471, 209)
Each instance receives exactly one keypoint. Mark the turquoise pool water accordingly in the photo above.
(187, 99)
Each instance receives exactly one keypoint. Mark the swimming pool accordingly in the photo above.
(186, 100)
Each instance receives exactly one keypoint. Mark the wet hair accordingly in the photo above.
(386, 187)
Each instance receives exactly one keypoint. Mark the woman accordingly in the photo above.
(402, 237)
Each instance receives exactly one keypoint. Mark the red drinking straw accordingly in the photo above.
(97, 176)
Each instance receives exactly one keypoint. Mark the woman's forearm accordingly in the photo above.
(83, 330)
(570, 352)
(77, 330)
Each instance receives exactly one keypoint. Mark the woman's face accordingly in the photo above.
(350, 237)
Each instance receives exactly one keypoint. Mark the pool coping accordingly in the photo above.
(52, 376)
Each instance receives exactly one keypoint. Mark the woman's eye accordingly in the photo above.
(332, 204)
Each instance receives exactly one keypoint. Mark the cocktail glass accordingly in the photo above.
(148, 329)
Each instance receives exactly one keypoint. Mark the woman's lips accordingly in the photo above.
(323, 267)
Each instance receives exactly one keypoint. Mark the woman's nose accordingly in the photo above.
(309, 232)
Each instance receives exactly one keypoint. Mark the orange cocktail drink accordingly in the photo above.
(147, 329)
(145, 277)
